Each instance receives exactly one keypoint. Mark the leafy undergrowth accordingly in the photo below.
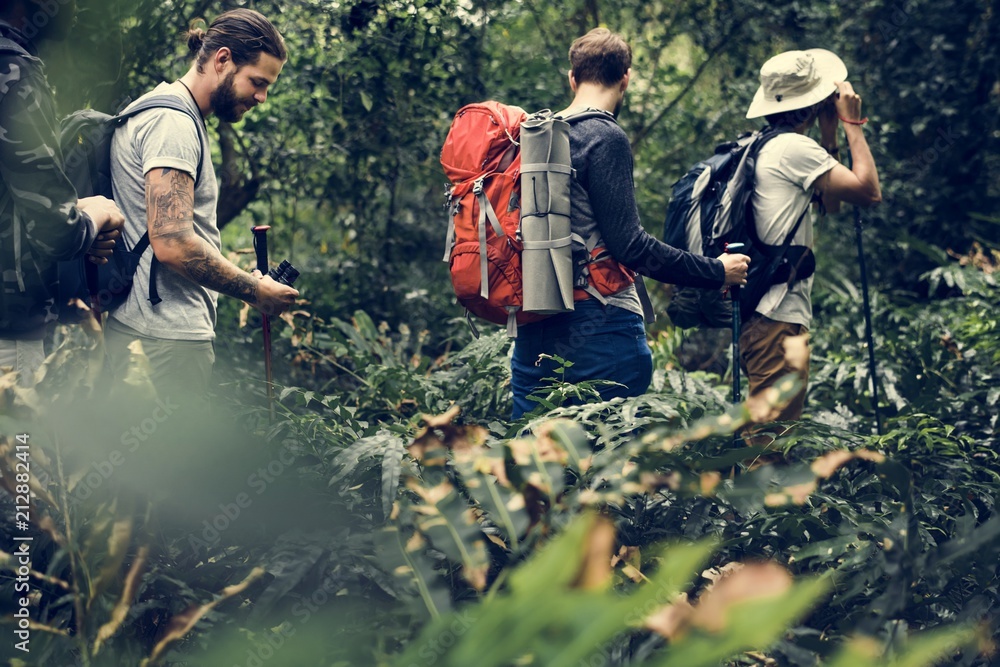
(392, 515)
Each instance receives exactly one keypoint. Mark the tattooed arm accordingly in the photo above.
(170, 219)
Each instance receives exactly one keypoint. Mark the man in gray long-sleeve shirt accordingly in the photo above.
(41, 220)
(607, 341)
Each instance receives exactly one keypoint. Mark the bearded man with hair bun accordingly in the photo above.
(164, 181)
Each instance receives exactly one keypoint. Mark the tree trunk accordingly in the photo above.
(236, 191)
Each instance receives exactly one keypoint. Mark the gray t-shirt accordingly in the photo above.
(155, 139)
(787, 169)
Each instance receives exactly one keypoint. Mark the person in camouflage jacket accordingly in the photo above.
(42, 221)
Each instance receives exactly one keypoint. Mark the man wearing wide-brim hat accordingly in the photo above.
(792, 170)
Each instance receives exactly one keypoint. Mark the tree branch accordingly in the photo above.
(644, 132)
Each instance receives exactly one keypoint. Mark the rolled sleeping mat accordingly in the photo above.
(547, 258)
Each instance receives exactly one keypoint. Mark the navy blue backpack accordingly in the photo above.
(710, 206)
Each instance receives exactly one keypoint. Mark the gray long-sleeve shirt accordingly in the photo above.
(603, 198)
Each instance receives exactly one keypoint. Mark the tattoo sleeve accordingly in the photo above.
(170, 220)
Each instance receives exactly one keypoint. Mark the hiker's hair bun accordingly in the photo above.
(196, 36)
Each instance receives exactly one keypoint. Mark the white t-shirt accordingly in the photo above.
(156, 139)
(787, 167)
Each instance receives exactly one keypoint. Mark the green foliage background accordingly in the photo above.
(388, 529)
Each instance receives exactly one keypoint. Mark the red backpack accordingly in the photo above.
(482, 160)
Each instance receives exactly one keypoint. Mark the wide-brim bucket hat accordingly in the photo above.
(795, 80)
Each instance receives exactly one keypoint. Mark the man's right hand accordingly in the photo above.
(104, 212)
(736, 268)
(847, 102)
(274, 298)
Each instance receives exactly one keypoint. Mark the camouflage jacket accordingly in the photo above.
(39, 221)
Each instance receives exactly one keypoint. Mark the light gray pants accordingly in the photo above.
(23, 356)
(180, 369)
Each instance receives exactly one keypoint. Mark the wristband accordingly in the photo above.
(853, 122)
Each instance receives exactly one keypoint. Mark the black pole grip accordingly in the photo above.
(260, 246)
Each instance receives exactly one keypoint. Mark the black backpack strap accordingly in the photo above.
(166, 102)
(589, 112)
(161, 102)
(648, 314)
(766, 135)
(8, 45)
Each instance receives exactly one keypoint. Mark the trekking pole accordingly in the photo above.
(735, 292)
(872, 369)
(90, 272)
(260, 249)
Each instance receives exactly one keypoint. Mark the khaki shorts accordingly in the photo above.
(762, 356)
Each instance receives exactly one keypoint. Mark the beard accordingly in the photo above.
(226, 105)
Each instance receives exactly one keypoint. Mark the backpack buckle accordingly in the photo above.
(477, 187)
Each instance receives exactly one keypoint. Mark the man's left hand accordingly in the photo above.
(103, 246)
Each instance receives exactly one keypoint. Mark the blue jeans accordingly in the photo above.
(603, 342)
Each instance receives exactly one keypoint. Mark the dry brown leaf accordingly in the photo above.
(631, 560)
(476, 576)
(435, 421)
(869, 455)
(41, 627)
(244, 315)
(521, 451)
(430, 445)
(181, 624)
(709, 481)
(431, 495)
(797, 351)
(47, 524)
(595, 570)
(415, 543)
(549, 449)
(751, 582)
(799, 493)
(6, 560)
(828, 464)
(497, 541)
(673, 620)
(108, 630)
(717, 574)
(118, 541)
(762, 405)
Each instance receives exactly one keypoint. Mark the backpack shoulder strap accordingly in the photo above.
(589, 112)
(160, 102)
(766, 134)
(8, 45)
(165, 102)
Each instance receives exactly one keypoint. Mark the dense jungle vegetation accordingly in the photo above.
(391, 514)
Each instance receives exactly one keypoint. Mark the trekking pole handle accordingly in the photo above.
(730, 248)
(260, 246)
